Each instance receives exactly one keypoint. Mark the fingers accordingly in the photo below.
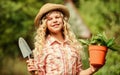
(30, 65)
(30, 60)
(31, 68)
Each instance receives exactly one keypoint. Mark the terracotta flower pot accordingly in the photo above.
(97, 55)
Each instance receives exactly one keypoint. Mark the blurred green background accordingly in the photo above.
(16, 20)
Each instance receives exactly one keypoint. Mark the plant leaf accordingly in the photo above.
(110, 42)
(84, 42)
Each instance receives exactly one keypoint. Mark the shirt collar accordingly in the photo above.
(50, 40)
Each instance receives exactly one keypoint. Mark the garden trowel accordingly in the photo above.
(25, 49)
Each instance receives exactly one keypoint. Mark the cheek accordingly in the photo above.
(62, 22)
(47, 23)
(49, 27)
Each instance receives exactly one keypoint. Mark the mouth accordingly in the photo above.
(55, 25)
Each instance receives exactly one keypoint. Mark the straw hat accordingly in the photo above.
(49, 7)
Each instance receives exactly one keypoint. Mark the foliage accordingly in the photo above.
(101, 40)
(100, 14)
(15, 21)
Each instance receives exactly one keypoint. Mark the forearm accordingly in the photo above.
(88, 71)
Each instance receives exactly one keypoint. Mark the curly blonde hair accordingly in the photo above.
(42, 33)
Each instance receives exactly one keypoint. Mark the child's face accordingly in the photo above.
(54, 22)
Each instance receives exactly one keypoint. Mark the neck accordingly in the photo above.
(58, 36)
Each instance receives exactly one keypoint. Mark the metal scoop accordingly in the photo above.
(25, 49)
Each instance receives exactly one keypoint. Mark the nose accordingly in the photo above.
(54, 20)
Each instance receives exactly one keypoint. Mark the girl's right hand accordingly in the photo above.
(30, 65)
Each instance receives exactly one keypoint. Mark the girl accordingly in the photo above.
(57, 51)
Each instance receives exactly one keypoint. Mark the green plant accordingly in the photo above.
(101, 40)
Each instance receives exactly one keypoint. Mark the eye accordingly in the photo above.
(49, 18)
(57, 17)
